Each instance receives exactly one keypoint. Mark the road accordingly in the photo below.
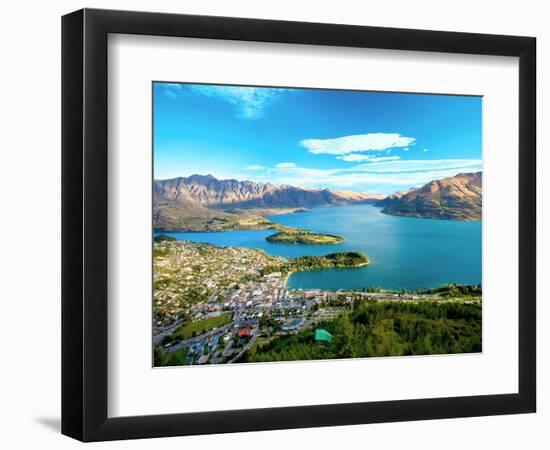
(196, 339)
(166, 332)
(245, 348)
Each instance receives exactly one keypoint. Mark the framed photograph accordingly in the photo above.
(273, 224)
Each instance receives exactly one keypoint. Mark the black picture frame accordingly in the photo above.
(84, 224)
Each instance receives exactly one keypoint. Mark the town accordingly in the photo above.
(214, 304)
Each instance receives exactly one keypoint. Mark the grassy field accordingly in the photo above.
(177, 358)
(259, 343)
(200, 326)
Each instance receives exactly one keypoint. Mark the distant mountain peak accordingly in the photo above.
(199, 195)
(197, 176)
(455, 198)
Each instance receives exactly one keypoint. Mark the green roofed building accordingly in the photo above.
(322, 335)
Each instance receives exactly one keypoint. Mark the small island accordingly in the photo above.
(303, 237)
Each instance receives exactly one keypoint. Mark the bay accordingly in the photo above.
(405, 252)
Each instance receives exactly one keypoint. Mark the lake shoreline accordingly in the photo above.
(410, 253)
(289, 274)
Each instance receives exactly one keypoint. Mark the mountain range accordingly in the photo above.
(455, 198)
(202, 202)
(184, 202)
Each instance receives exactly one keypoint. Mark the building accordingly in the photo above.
(244, 332)
(323, 335)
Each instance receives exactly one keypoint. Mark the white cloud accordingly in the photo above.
(285, 165)
(175, 86)
(249, 102)
(171, 90)
(425, 150)
(354, 157)
(356, 143)
(416, 165)
(255, 167)
(380, 177)
(170, 93)
(384, 158)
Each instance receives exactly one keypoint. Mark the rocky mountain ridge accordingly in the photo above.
(454, 198)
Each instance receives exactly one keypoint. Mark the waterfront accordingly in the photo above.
(404, 253)
(221, 305)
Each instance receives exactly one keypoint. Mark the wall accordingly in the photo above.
(30, 177)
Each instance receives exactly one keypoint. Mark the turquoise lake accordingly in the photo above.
(405, 253)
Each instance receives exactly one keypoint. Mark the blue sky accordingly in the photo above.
(360, 141)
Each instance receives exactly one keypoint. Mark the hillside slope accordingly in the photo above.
(204, 202)
(454, 198)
